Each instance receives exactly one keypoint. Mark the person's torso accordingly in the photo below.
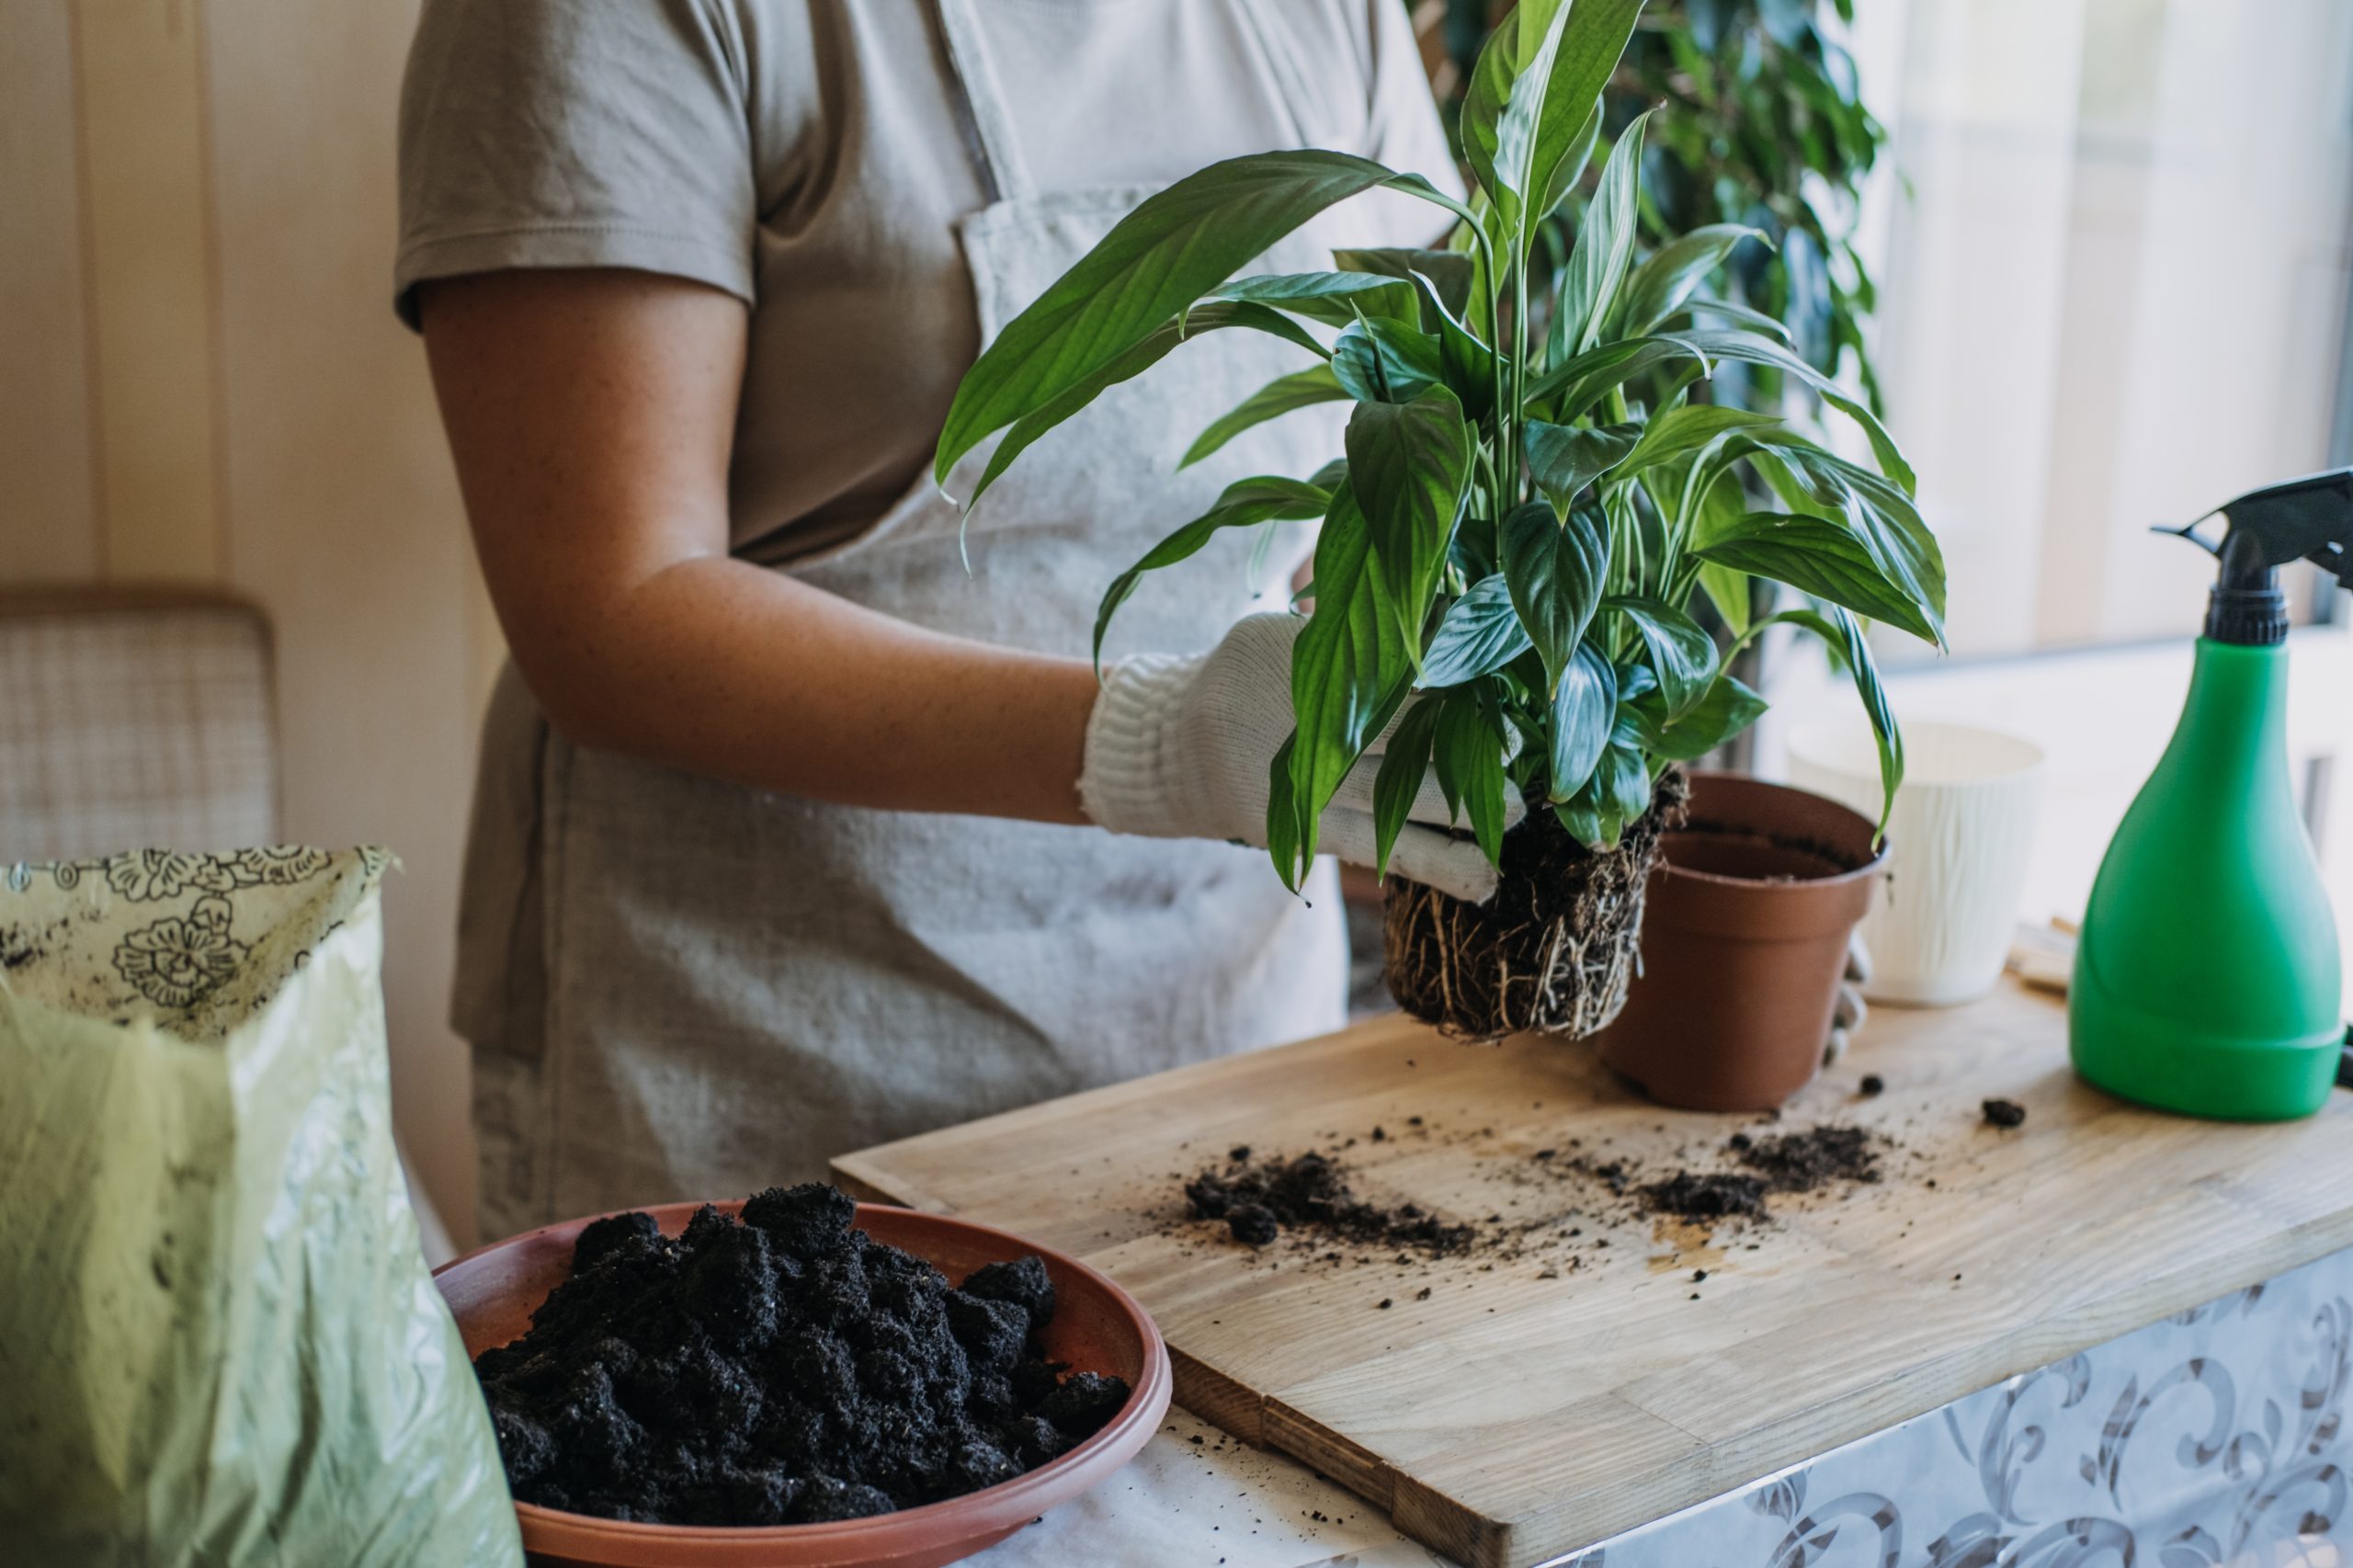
(865, 319)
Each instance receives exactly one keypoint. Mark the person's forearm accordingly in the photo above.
(721, 667)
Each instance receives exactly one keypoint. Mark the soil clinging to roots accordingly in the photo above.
(1552, 951)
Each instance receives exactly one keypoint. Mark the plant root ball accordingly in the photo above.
(1553, 951)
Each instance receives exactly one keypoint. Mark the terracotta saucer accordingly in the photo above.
(1097, 1327)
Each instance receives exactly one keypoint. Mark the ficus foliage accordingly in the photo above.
(1522, 518)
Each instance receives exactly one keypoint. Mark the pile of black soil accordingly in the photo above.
(1804, 1161)
(1712, 1195)
(2003, 1113)
(1260, 1198)
(786, 1370)
(1779, 1161)
(1552, 950)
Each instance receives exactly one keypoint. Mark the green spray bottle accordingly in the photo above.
(2207, 971)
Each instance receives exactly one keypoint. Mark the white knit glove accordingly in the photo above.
(1180, 748)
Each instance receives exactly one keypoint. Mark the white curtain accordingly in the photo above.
(2113, 293)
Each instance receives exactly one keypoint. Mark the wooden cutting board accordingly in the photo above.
(1504, 1409)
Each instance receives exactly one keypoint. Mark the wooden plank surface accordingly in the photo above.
(1529, 1405)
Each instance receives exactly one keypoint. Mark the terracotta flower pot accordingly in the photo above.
(1743, 943)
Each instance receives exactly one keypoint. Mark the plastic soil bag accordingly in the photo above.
(219, 1344)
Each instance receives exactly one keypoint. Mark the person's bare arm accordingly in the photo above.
(591, 414)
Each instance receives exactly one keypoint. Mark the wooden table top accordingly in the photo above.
(1509, 1405)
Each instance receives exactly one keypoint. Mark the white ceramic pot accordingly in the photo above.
(1961, 835)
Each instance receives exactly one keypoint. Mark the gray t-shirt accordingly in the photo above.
(808, 156)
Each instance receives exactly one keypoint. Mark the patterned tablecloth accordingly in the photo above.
(2215, 1438)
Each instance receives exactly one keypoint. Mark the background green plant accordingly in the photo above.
(1763, 124)
(1532, 498)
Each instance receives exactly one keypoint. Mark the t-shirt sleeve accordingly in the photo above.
(575, 133)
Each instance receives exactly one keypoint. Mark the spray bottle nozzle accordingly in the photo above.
(2298, 519)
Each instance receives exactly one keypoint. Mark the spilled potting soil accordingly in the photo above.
(785, 1369)
(1260, 1198)
(1315, 1207)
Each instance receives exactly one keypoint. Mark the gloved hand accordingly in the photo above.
(1179, 747)
(1847, 1015)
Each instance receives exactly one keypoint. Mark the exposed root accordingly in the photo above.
(1552, 951)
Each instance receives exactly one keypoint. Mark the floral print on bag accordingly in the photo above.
(178, 962)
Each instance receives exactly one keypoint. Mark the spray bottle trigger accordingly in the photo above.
(2188, 530)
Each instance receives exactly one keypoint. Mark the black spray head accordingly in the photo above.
(2298, 520)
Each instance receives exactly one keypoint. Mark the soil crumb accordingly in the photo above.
(782, 1370)
(1805, 1161)
(2004, 1113)
(1713, 1195)
(1872, 1086)
(1260, 1198)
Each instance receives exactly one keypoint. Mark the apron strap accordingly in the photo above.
(988, 130)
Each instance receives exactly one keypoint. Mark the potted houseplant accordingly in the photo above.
(1530, 500)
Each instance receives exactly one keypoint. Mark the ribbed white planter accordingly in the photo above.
(1963, 828)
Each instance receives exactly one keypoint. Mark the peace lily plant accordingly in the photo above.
(1530, 500)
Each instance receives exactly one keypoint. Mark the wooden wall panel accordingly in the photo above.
(347, 521)
(139, 69)
(48, 520)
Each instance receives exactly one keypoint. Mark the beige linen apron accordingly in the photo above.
(683, 988)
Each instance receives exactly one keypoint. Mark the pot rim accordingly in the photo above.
(1874, 867)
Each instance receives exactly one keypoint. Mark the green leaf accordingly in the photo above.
(1623, 785)
(1131, 363)
(1583, 820)
(1605, 243)
(1449, 272)
(1284, 394)
(1469, 364)
(1243, 503)
(1350, 669)
(1570, 164)
(1727, 708)
(1479, 634)
(1755, 320)
(1572, 388)
(1746, 346)
(1409, 465)
(1469, 757)
(1591, 46)
(1403, 766)
(1174, 247)
(1565, 458)
(1556, 571)
(1583, 711)
(1806, 476)
(1680, 652)
(1820, 557)
(1659, 286)
(1534, 89)
(1337, 298)
(1378, 360)
(1728, 591)
(1848, 644)
(1495, 77)
(1283, 829)
(1687, 429)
